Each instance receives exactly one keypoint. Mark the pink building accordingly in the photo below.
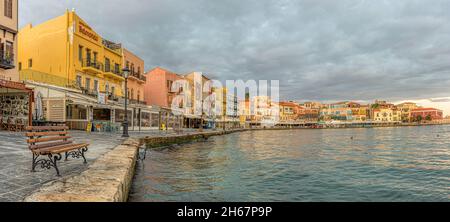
(158, 85)
(426, 113)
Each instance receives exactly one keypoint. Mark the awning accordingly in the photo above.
(14, 85)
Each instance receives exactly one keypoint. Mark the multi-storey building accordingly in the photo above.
(201, 100)
(8, 40)
(67, 52)
(159, 92)
(336, 112)
(226, 109)
(15, 98)
(406, 109)
(290, 112)
(77, 72)
(135, 88)
(426, 114)
(387, 115)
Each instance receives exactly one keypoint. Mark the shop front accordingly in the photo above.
(16, 101)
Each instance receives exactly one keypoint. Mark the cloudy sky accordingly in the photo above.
(319, 50)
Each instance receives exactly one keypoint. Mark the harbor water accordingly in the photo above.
(376, 164)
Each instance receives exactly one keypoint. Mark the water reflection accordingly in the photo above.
(383, 164)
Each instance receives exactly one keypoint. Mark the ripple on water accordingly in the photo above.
(384, 164)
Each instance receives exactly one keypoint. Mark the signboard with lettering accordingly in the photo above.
(13, 85)
(101, 98)
(86, 31)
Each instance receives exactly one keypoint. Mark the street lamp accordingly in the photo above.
(126, 72)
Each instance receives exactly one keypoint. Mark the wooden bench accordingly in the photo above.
(52, 141)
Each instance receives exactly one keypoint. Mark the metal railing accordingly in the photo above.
(6, 60)
(92, 64)
(139, 76)
(112, 69)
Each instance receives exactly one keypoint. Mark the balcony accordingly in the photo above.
(133, 101)
(112, 97)
(112, 72)
(6, 61)
(116, 47)
(137, 76)
(92, 66)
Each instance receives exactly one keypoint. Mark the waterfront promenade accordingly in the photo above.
(16, 179)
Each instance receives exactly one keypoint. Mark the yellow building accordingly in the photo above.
(226, 109)
(387, 115)
(78, 74)
(406, 109)
(67, 52)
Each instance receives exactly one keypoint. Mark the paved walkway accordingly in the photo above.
(16, 179)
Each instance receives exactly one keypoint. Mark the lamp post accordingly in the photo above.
(126, 72)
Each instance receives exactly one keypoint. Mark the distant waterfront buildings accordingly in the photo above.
(426, 114)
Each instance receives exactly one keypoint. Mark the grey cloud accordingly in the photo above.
(319, 50)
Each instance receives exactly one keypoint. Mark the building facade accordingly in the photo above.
(16, 100)
(406, 109)
(387, 115)
(8, 40)
(67, 52)
(426, 114)
(78, 73)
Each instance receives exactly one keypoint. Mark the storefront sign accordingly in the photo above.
(87, 32)
(13, 85)
(102, 98)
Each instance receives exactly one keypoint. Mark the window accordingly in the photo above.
(169, 85)
(9, 51)
(79, 81)
(107, 65)
(95, 57)
(116, 68)
(139, 70)
(106, 88)
(30, 63)
(80, 53)
(96, 86)
(127, 64)
(8, 8)
(88, 83)
(88, 56)
(113, 90)
(20, 66)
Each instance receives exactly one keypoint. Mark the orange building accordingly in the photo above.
(136, 80)
(157, 89)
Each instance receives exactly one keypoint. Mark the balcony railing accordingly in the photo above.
(6, 61)
(112, 69)
(133, 101)
(112, 97)
(139, 76)
(92, 64)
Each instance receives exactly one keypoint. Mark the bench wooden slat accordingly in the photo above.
(46, 128)
(48, 139)
(48, 145)
(60, 149)
(50, 133)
